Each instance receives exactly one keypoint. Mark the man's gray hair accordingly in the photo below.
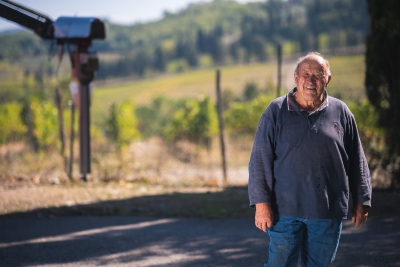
(313, 54)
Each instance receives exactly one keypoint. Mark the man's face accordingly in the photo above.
(311, 79)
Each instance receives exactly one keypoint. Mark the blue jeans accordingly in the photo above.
(316, 240)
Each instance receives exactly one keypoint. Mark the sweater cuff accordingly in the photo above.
(362, 200)
(259, 199)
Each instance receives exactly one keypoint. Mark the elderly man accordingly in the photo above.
(306, 157)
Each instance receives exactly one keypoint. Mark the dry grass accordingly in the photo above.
(139, 180)
(151, 160)
(124, 198)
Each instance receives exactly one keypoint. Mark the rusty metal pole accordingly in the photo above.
(221, 126)
(84, 131)
(83, 69)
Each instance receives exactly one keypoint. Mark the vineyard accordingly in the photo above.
(167, 126)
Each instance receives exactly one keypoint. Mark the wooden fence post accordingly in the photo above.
(59, 101)
(221, 127)
(279, 57)
(71, 139)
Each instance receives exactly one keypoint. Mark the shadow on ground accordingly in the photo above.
(231, 202)
(130, 241)
(53, 237)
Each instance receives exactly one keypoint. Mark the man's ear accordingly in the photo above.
(329, 79)
(295, 78)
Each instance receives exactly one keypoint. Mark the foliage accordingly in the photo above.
(250, 91)
(154, 118)
(11, 91)
(367, 123)
(382, 81)
(122, 124)
(196, 121)
(45, 122)
(11, 127)
(228, 97)
(210, 43)
(125, 66)
(10, 87)
(243, 117)
(19, 44)
(159, 59)
(41, 117)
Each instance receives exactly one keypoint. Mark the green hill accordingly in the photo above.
(183, 24)
(202, 36)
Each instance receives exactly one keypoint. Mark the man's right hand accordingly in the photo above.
(264, 216)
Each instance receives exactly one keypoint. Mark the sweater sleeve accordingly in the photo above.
(358, 174)
(260, 185)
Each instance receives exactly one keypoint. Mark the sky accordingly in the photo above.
(117, 11)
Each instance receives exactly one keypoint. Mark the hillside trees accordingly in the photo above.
(382, 75)
(186, 49)
(16, 45)
(160, 59)
(223, 29)
(348, 16)
(210, 43)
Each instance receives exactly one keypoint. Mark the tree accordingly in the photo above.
(159, 59)
(201, 42)
(250, 91)
(187, 50)
(140, 63)
(382, 73)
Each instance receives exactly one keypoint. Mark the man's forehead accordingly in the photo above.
(314, 62)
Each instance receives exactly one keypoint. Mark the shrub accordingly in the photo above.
(195, 121)
(122, 124)
(45, 122)
(11, 126)
(243, 118)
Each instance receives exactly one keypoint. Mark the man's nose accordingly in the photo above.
(312, 79)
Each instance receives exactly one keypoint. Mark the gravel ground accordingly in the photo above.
(140, 241)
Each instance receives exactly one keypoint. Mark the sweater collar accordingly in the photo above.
(293, 106)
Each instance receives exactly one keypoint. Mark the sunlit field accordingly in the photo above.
(188, 84)
(347, 83)
(348, 74)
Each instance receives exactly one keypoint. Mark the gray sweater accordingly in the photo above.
(304, 164)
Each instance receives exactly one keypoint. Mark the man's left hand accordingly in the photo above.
(359, 215)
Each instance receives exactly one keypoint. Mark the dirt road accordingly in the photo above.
(133, 241)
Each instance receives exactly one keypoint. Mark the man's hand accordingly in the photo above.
(264, 216)
(359, 215)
